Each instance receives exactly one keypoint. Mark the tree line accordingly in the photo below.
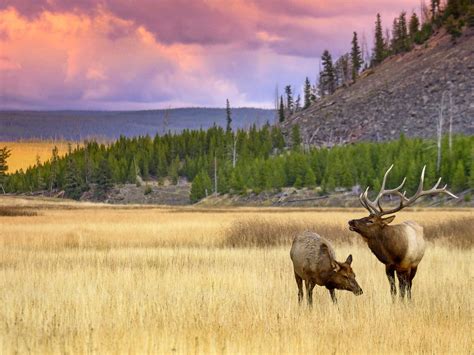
(255, 160)
(404, 35)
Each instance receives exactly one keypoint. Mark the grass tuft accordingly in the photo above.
(259, 232)
(11, 211)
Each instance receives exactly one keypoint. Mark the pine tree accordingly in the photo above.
(173, 171)
(73, 185)
(327, 78)
(281, 111)
(40, 185)
(379, 52)
(459, 178)
(228, 116)
(309, 178)
(403, 33)
(133, 172)
(307, 93)
(201, 186)
(395, 45)
(356, 57)
(414, 26)
(296, 137)
(289, 99)
(103, 180)
(4, 155)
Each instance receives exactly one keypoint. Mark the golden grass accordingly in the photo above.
(157, 280)
(23, 154)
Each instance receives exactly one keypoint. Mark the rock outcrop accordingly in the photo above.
(402, 95)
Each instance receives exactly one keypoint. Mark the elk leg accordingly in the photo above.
(299, 283)
(390, 272)
(333, 295)
(309, 291)
(403, 277)
(410, 279)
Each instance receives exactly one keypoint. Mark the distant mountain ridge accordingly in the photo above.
(404, 94)
(80, 125)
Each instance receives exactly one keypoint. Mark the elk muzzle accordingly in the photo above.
(352, 225)
(356, 289)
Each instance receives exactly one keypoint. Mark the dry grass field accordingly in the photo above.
(80, 278)
(23, 154)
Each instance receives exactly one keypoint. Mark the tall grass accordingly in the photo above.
(264, 232)
(142, 280)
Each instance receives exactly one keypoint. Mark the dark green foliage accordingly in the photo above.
(281, 110)
(400, 39)
(228, 116)
(379, 51)
(262, 163)
(73, 185)
(424, 33)
(307, 93)
(456, 8)
(173, 171)
(289, 99)
(4, 155)
(356, 57)
(327, 77)
(459, 177)
(453, 27)
(103, 180)
(201, 186)
(296, 137)
(414, 26)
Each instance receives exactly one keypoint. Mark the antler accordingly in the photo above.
(375, 207)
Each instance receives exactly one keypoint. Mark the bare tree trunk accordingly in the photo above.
(450, 122)
(2, 189)
(440, 132)
(215, 175)
(234, 152)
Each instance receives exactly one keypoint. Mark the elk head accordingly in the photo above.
(372, 225)
(343, 277)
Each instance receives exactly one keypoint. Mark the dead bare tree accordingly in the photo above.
(450, 122)
(166, 115)
(439, 130)
(234, 152)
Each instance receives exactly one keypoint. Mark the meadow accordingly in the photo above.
(25, 153)
(85, 278)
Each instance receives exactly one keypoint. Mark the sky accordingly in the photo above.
(149, 54)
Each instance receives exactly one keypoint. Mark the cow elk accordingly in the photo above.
(314, 262)
(401, 246)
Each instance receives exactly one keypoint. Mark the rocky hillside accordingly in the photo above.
(403, 94)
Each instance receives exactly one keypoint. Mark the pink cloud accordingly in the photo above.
(148, 53)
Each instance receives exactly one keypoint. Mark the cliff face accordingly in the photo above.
(403, 94)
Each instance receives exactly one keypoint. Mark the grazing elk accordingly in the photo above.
(401, 246)
(314, 262)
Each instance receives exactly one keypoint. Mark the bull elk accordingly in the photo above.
(401, 246)
(314, 262)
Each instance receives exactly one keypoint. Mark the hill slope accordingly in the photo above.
(403, 94)
(78, 125)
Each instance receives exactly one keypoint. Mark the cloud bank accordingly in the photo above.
(147, 54)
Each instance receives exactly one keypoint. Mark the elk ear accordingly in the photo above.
(335, 265)
(388, 220)
(349, 259)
